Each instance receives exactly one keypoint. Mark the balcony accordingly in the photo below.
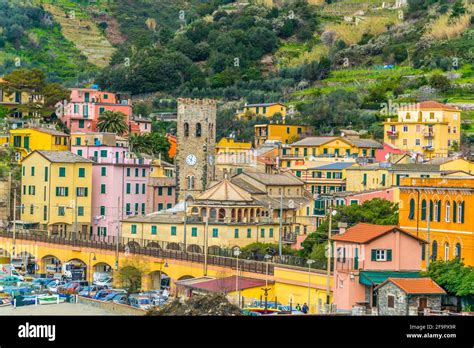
(349, 264)
(428, 148)
(392, 134)
(289, 238)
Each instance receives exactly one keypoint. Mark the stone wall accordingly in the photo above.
(119, 309)
(400, 303)
(434, 302)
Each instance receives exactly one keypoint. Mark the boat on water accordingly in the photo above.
(50, 299)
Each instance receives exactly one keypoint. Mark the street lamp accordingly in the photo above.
(309, 263)
(267, 259)
(90, 271)
(237, 253)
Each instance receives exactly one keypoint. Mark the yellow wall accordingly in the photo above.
(45, 191)
(229, 145)
(38, 141)
(459, 164)
(444, 190)
(412, 125)
(331, 147)
(375, 179)
(278, 132)
(267, 111)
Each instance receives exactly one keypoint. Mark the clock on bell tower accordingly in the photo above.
(195, 146)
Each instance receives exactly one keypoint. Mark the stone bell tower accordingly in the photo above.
(195, 151)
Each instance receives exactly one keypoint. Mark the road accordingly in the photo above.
(55, 309)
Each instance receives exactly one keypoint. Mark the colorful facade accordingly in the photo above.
(446, 203)
(26, 140)
(365, 256)
(263, 109)
(284, 133)
(82, 113)
(161, 192)
(57, 191)
(119, 186)
(429, 128)
(15, 101)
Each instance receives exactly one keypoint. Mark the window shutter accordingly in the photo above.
(462, 212)
(439, 211)
(343, 254)
(57, 191)
(455, 205)
(389, 254)
(66, 191)
(374, 254)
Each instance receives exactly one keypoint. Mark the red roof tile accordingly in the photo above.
(227, 284)
(430, 104)
(417, 285)
(364, 233)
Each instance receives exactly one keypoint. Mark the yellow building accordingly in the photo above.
(233, 157)
(334, 147)
(262, 109)
(26, 140)
(56, 191)
(162, 169)
(286, 133)
(429, 128)
(447, 203)
(15, 100)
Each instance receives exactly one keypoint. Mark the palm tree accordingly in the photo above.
(141, 144)
(113, 122)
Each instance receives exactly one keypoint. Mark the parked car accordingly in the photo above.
(88, 291)
(101, 294)
(142, 302)
(120, 299)
(104, 282)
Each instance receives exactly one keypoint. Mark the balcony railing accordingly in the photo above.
(349, 264)
(428, 134)
(428, 148)
(392, 134)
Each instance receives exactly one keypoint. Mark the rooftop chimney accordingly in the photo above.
(342, 227)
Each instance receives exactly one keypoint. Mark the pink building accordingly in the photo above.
(366, 255)
(82, 112)
(119, 186)
(140, 125)
(380, 154)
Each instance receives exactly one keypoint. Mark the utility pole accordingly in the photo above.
(14, 225)
(205, 240)
(185, 218)
(280, 240)
(328, 272)
(428, 235)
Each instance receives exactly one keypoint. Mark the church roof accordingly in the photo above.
(225, 191)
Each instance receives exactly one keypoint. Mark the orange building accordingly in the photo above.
(442, 206)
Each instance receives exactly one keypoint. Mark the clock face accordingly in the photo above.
(191, 160)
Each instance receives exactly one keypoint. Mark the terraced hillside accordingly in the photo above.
(78, 28)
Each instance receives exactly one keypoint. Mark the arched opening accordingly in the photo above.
(198, 130)
(212, 214)
(221, 214)
(190, 182)
(4, 253)
(186, 277)
(132, 245)
(76, 269)
(446, 251)
(28, 262)
(193, 248)
(102, 267)
(214, 250)
(159, 280)
(411, 214)
(153, 245)
(434, 250)
(447, 218)
(186, 129)
(458, 251)
(232, 215)
(239, 215)
(173, 246)
(194, 211)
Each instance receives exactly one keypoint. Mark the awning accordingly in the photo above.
(377, 277)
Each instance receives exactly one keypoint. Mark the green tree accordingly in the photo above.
(458, 9)
(375, 211)
(113, 122)
(440, 82)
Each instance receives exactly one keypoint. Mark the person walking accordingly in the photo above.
(298, 307)
(305, 308)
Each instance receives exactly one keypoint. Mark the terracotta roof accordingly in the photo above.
(227, 284)
(284, 179)
(429, 105)
(225, 191)
(364, 233)
(417, 285)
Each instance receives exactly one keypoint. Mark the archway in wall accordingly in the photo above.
(28, 262)
(214, 250)
(51, 264)
(129, 278)
(159, 280)
(102, 267)
(78, 269)
(153, 245)
(131, 246)
(173, 246)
